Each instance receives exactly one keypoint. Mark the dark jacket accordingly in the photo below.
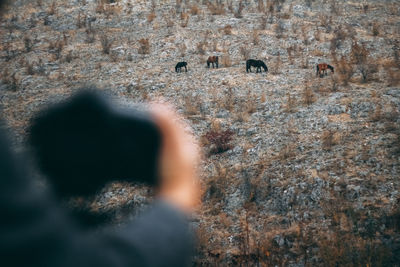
(36, 231)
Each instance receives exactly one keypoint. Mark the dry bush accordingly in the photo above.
(227, 29)
(376, 28)
(304, 34)
(279, 29)
(238, 12)
(376, 115)
(326, 22)
(335, 7)
(308, 95)
(52, 9)
(393, 77)
(328, 139)
(69, 57)
(226, 60)
(144, 46)
(360, 57)
(256, 37)
(245, 52)
(216, 8)
(105, 43)
(260, 6)
(56, 47)
(263, 22)
(201, 47)
(291, 50)
(80, 21)
(29, 68)
(194, 9)
(287, 152)
(192, 104)
(185, 19)
(219, 140)
(304, 61)
(10, 80)
(277, 65)
(317, 35)
(290, 104)
(28, 44)
(345, 70)
(151, 16)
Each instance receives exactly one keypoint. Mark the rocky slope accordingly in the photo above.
(310, 171)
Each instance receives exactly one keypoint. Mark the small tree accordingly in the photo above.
(360, 58)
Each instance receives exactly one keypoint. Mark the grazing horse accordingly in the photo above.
(322, 69)
(212, 60)
(181, 65)
(256, 63)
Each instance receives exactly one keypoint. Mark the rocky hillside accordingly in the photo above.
(298, 169)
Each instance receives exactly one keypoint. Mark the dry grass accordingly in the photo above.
(144, 46)
(105, 43)
(151, 16)
(290, 104)
(308, 95)
(329, 138)
(227, 29)
(226, 60)
(217, 8)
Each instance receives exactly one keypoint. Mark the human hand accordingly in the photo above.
(179, 158)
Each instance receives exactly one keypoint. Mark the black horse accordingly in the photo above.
(181, 65)
(256, 63)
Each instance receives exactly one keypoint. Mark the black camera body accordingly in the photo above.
(86, 141)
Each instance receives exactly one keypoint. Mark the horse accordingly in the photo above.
(212, 60)
(322, 69)
(256, 63)
(180, 65)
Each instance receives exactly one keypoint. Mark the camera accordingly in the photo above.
(86, 141)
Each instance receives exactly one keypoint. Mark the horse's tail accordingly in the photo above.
(247, 65)
(317, 69)
(208, 63)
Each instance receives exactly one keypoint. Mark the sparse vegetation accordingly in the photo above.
(144, 46)
(300, 170)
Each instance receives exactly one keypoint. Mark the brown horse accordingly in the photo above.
(322, 69)
(212, 60)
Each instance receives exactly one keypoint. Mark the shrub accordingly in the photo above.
(360, 57)
(256, 37)
(238, 13)
(228, 29)
(219, 140)
(327, 139)
(144, 46)
(216, 8)
(290, 104)
(194, 9)
(245, 52)
(279, 29)
(308, 96)
(10, 80)
(226, 60)
(345, 70)
(201, 48)
(151, 16)
(28, 44)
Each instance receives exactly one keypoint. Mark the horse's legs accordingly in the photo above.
(185, 69)
(216, 63)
